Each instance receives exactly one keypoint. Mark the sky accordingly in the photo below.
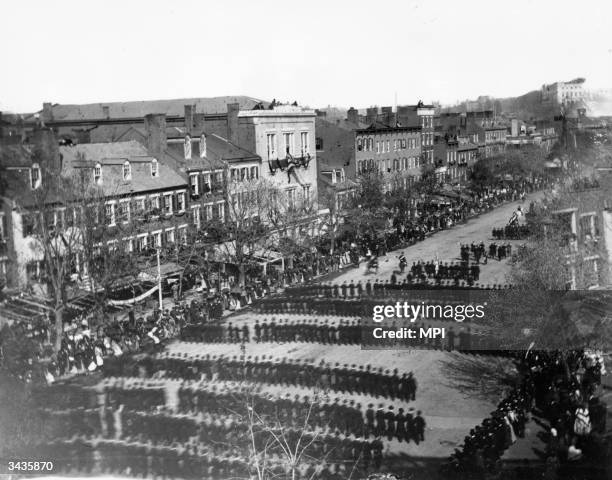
(332, 52)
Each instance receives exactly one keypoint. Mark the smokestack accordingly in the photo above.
(189, 111)
(155, 126)
(352, 115)
(232, 122)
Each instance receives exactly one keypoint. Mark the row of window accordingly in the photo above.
(166, 204)
(495, 135)
(240, 174)
(397, 165)
(367, 144)
(428, 139)
(126, 171)
(427, 121)
(288, 144)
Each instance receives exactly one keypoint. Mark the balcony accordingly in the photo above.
(289, 162)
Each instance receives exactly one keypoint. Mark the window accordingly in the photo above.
(395, 145)
(220, 211)
(124, 211)
(154, 168)
(388, 145)
(306, 192)
(98, 173)
(304, 142)
(157, 239)
(169, 236)
(182, 232)
(288, 137)
(155, 203)
(359, 145)
(291, 198)
(254, 173)
(142, 243)
(193, 181)
(127, 171)
(319, 143)
(271, 142)
(195, 215)
(35, 176)
(28, 221)
(168, 204)
(109, 210)
(377, 147)
(180, 201)
(207, 214)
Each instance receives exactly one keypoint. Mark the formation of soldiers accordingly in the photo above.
(346, 379)
(342, 332)
(478, 251)
(511, 232)
(445, 271)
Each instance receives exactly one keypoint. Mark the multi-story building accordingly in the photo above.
(420, 115)
(585, 219)
(357, 147)
(135, 189)
(393, 152)
(560, 93)
(283, 137)
(542, 134)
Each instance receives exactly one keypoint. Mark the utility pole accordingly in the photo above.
(159, 281)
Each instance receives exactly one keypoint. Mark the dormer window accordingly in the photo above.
(98, 173)
(35, 176)
(154, 168)
(127, 171)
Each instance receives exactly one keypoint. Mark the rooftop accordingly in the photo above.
(138, 109)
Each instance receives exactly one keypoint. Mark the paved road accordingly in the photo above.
(445, 245)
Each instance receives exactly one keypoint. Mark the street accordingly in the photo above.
(444, 246)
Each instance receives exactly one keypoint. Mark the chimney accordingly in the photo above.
(352, 115)
(105, 111)
(199, 123)
(187, 147)
(232, 122)
(189, 111)
(203, 145)
(371, 115)
(388, 116)
(155, 126)
(46, 149)
(47, 113)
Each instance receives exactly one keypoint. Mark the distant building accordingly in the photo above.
(559, 93)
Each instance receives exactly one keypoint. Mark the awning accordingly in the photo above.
(227, 252)
(132, 301)
(167, 269)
